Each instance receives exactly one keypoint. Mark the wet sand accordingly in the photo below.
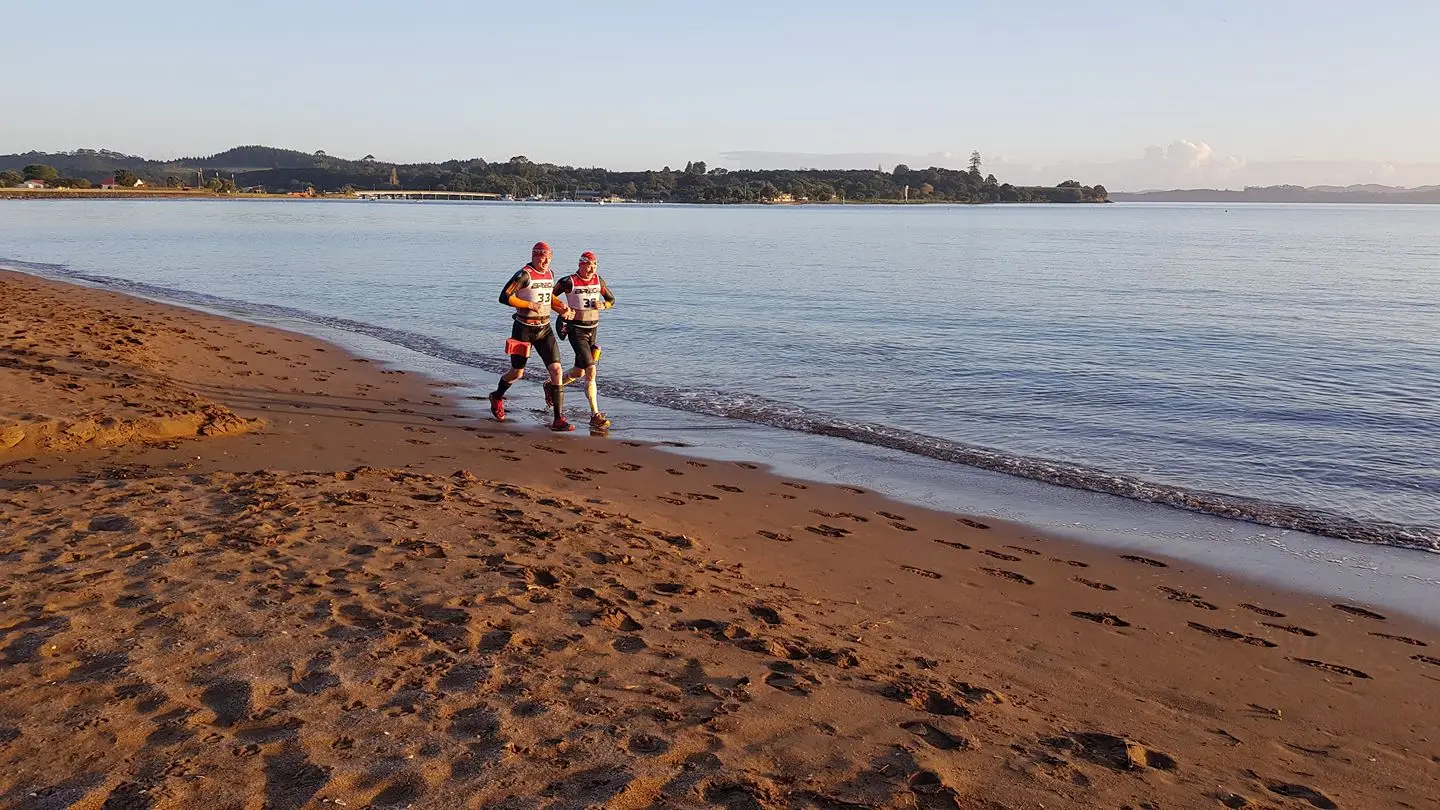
(333, 587)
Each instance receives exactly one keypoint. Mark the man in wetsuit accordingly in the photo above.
(530, 291)
(586, 294)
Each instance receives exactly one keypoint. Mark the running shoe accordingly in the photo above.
(497, 407)
(561, 425)
(599, 420)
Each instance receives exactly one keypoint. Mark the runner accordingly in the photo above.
(586, 293)
(530, 291)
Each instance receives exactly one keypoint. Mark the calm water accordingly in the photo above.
(1275, 363)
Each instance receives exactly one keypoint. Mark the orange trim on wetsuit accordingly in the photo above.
(525, 310)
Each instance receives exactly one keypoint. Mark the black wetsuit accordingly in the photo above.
(533, 330)
(583, 333)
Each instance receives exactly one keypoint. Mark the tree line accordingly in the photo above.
(283, 170)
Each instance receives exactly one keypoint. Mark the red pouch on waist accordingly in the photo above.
(517, 348)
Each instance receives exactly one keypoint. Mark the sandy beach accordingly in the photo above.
(241, 568)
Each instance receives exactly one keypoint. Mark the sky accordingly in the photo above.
(1133, 95)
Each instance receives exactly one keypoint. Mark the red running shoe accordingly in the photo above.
(497, 408)
(561, 425)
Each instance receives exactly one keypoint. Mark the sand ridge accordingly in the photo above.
(376, 602)
(109, 387)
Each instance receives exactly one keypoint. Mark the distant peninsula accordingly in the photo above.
(1368, 193)
(268, 170)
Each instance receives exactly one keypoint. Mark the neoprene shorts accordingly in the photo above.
(541, 336)
(582, 340)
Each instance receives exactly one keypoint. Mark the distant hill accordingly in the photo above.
(92, 164)
(289, 170)
(254, 158)
(1367, 193)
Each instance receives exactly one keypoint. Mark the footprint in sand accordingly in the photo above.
(1000, 555)
(1335, 668)
(674, 472)
(934, 736)
(1116, 753)
(646, 745)
(701, 496)
(825, 530)
(747, 465)
(1274, 614)
(727, 488)
(1090, 583)
(1426, 659)
(921, 571)
(697, 464)
(974, 524)
(927, 697)
(616, 619)
(1291, 628)
(793, 485)
(1010, 575)
(788, 677)
(1176, 595)
(1414, 642)
(1074, 563)
(628, 467)
(1108, 619)
(890, 515)
(1359, 611)
(766, 614)
(783, 538)
(672, 501)
(547, 448)
(846, 515)
(904, 527)
(1024, 550)
(1143, 561)
(855, 490)
(953, 544)
(629, 644)
(1311, 795)
(1231, 635)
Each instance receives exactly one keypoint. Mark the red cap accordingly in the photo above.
(540, 247)
(587, 256)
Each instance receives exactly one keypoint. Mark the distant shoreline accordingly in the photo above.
(175, 194)
(1282, 195)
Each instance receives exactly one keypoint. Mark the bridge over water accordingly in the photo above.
(426, 195)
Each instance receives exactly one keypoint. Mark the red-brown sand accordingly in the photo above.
(240, 568)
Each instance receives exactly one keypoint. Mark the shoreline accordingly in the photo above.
(1392, 576)
(1291, 520)
(812, 641)
(93, 194)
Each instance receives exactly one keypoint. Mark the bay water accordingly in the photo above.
(1279, 364)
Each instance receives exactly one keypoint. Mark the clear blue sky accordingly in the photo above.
(1225, 89)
